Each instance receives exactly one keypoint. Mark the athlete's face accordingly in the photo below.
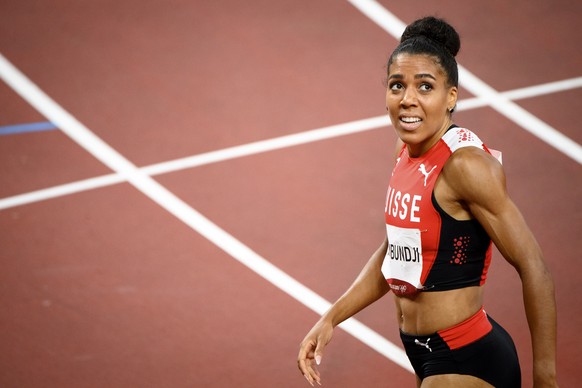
(418, 101)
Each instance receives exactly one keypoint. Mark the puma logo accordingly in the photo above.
(423, 344)
(422, 169)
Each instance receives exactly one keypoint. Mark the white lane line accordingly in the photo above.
(523, 93)
(394, 26)
(60, 190)
(181, 210)
(547, 88)
(268, 145)
(199, 160)
(521, 117)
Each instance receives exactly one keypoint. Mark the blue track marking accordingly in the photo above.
(24, 128)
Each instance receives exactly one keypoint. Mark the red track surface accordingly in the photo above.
(105, 288)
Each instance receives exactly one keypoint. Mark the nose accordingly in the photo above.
(408, 98)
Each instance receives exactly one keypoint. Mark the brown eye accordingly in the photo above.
(396, 86)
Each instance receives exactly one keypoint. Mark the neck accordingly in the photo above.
(416, 150)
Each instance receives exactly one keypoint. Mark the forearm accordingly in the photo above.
(368, 287)
(540, 307)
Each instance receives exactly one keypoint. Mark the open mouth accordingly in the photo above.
(410, 120)
(410, 123)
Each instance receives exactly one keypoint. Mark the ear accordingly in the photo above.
(452, 99)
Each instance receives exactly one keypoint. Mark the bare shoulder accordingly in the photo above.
(475, 176)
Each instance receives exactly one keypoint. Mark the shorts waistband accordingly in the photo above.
(468, 331)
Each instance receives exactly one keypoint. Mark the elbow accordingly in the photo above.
(537, 276)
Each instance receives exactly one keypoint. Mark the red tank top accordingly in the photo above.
(428, 250)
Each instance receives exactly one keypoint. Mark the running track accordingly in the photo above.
(205, 176)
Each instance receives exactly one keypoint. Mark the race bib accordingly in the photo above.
(402, 265)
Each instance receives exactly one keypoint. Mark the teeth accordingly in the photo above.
(411, 119)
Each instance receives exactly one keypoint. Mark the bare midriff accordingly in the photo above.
(428, 312)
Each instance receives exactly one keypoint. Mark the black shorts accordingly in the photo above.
(492, 357)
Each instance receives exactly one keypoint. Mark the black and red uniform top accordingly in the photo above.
(428, 250)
